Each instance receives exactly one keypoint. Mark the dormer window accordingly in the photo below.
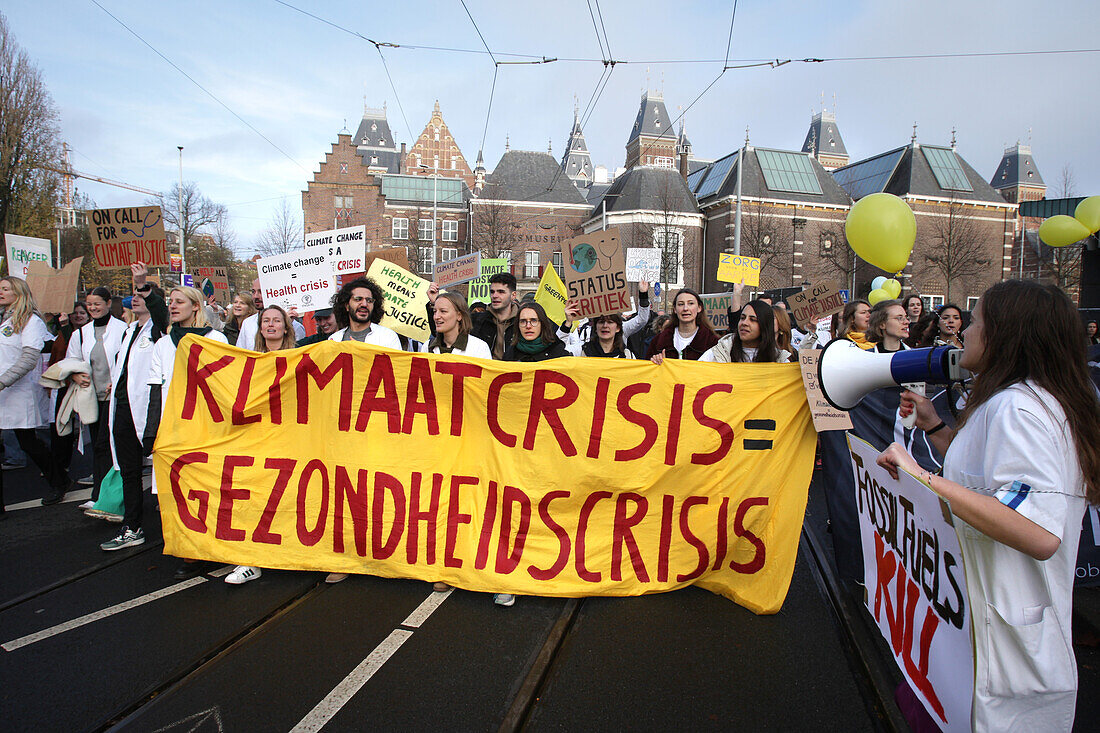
(381, 141)
(374, 127)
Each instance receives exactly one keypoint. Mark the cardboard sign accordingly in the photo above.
(458, 271)
(595, 273)
(816, 301)
(717, 308)
(397, 255)
(479, 288)
(825, 416)
(24, 250)
(54, 291)
(346, 248)
(406, 299)
(737, 268)
(121, 237)
(302, 280)
(916, 585)
(214, 281)
(643, 263)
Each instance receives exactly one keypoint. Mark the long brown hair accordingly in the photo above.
(848, 317)
(288, 341)
(1032, 332)
(783, 328)
(701, 320)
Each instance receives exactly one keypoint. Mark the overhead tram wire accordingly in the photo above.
(206, 91)
(729, 39)
(606, 42)
(592, 14)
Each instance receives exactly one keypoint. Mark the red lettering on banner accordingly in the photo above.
(285, 467)
(642, 420)
(599, 411)
(310, 537)
(757, 561)
(420, 382)
(482, 558)
(458, 371)
(900, 620)
(582, 527)
(508, 559)
(455, 517)
(492, 407)
(563, 538)
(239, 418)
(548, 409)
(698, 544)
(381, 376)
(341, 365)
(275, 394)
(384, 482)
(675, 414)
(196, 382)
(725, 432)
(621, 534)
(429, 516)
(723, 531)
(668, 503)
(355, 497)
(224, 530)
(193, 522)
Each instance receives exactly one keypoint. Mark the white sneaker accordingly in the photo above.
(504, 599)
(87, 505)
(242, 574)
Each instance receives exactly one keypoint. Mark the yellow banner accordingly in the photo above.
(573, 477)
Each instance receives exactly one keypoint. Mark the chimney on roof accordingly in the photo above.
(401, 160)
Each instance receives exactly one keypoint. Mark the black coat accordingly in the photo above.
(485, 328)
(553, 351)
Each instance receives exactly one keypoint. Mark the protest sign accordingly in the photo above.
(458, 271)
(479, 288)
(596, 477)
(214, 281)
(54, 291)
(717, 308)
(175, 262)
(550, 294)
(302, 280)
(916, 586)
(825, 416)
(24, 250)
(346, 248)
(397, 255)
(738, 268)
(121, 237)
(595, 273)
(643, 264)
(814, 302)
(406, 299)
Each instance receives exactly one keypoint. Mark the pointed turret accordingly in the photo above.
(651, 141)
(1017, 177)
(576, 163)
(823, 141)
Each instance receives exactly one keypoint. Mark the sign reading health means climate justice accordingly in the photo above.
(302, 280)
(346, 248)
(595, 273)
(406, 297)
(457, 271)
(591, 478)
(24, 250)
(121, 237)
(738, 268)
(916, 585)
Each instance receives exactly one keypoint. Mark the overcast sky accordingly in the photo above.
(297, 80)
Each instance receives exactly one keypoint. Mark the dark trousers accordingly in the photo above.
(101, 448)
(36, 450)
(130, 460)
(61, 446)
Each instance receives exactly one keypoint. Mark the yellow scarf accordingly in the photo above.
(860, 340)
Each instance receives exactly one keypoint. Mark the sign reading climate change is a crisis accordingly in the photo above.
(591, 478)
(121, 237)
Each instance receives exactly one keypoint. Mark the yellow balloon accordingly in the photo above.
(892, 287)
(1062, 230)
(876, 295)
(881, 229)
(1088, 213)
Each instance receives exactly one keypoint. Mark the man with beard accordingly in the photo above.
(250, 326)
(497, 325)
(358, 308)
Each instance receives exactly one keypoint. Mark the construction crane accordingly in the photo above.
(68, 175)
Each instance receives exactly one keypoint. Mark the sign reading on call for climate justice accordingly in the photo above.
(738, 268)
(302, 280)
(121, 237)
(815, 301)
(595, 273)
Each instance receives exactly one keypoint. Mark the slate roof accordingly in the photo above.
(824, 136)
(576, 162)
(522, 175)
(754, 185)
(388, 159)
(914, 176)
(374, 131)
(653, 119)
(648, 188)
(1017, 168)
(593, 192)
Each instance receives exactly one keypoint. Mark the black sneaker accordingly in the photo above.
(53, 497)
(126, 538)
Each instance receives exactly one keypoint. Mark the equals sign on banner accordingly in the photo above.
(756, 443)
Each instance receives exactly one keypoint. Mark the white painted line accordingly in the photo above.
(222, 571)
(325, 710)
(70, 498)
(96, 616)
(425, 609)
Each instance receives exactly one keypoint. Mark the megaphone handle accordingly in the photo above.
(910, 420)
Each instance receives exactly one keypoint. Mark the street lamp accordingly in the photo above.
(435, 205)
(179, 213)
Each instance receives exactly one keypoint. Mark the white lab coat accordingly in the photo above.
(83, 341)
(474, 347)
(378, 336)
(137, 377)
(25, 404)
(1018, 444)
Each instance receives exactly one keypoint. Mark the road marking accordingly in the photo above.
(198, 720)
(325, 710)
(70, 498)
(97, 615)
(425, 609)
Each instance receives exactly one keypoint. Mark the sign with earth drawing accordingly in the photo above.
(595, 273)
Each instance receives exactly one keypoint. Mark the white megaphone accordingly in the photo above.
(847, 373)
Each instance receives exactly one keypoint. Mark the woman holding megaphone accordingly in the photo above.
(1018, 472)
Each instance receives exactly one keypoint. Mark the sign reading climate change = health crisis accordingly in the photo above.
(302, 280)
(590, 478)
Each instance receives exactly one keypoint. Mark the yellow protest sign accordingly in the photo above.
(738, 268)
(594, 477)
(550, 294)
(406, 299)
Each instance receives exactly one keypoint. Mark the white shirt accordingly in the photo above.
(378, 336)
(24, 404)
(1017, 443)
(246, 338)
(682, 342)
(474, 347)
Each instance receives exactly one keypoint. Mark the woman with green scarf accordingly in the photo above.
(536, 337)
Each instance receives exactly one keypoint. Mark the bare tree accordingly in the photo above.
(665, 231)
(958, 251)
(494, 222)
(1066, 185)
(837, 260)
(30, 151)
(283, 233)
(1063, 263)
(196, 215)
(769, 237)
